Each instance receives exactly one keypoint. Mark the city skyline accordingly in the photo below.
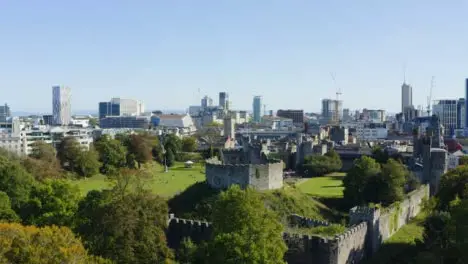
(274, 49)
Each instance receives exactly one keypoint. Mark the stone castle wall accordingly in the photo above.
(370, 227)
(260, 176)
(383, 223)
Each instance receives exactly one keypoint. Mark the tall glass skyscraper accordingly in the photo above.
(257, 109)
(406, 96)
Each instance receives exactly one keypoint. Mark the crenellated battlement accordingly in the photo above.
(351, 232)
(297, 220)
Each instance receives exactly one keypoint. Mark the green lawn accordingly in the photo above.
(159, 182)
(401, 247)
(329, 186)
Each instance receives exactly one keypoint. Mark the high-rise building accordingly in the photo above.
(461, 118)
(447, 111)
(257, 109)
(4, 112)
(466, 102)
(406, 96)
(206, 102)
(373, 115)
(223, 98)
(332, 111)
(61, 105)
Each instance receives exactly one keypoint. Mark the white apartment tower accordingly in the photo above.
(61, 105)
(406, 96)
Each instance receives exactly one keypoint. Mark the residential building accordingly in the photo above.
(129, 107)
(406, 96)
(48, 120)
(346, 114)
(136, 122)
(4, 112)
(447, 111)
(332, 111)
(61, 105)
(339, 135)
(223, 98)
(108, 109)
(257, 109)
(81, 121)
(296, 115)
(206, 102)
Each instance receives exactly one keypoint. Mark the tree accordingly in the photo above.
(453, 184)
(112, 154)
(87, 162)
(15, 181)
(29, 244)
(170, 158)
(335, 162)
(6, 213)
(357, 178)
(189, 144)
(245, 231)
(380, 155)
(141, 149)
(126, 228)
(54, 202)
(93, 122)
(43, 151)
(68, 151)
(394, 179)
(41, 169)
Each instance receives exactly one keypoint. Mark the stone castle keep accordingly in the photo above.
(245, 166)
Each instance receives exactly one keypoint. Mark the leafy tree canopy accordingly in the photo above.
(29, 244)
(15, 181)
(189, 144)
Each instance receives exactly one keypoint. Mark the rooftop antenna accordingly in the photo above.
(429, 98)
(404, 73)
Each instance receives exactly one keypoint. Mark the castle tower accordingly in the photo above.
(299, 154)
(438, 168)
(229, 128)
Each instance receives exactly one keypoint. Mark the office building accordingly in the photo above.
(108, 109)
(223, 98)
(206, 102)
(296, 115)
(406, 96)
(129, 107)
(461, 112)
(136, 122)
(61, 105)
(374, 116)
(446, 110)
(466, 102)
(257, 109)
(332, 111)
(4, 112)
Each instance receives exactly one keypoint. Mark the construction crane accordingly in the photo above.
(429, 98)
(338, 93)
(338, 90)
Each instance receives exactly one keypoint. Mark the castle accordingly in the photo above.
(248, 165)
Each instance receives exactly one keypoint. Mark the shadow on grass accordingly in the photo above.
(394, 253)
(336, 203)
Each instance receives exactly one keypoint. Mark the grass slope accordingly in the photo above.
(159, 182)
(401, 247)
(196, 202)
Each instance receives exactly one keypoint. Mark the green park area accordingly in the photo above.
(328, 186)
(167, 184)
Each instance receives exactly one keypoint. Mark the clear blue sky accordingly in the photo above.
(162, 51)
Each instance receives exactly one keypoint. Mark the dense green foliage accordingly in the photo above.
(452, 185)
(189, 144)
(15, 181)
(6, 213)
(125, 227)
(370, 182)
(244, 231)
(74, 158)
(112, 154)
(316, 165)
(29, 244)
